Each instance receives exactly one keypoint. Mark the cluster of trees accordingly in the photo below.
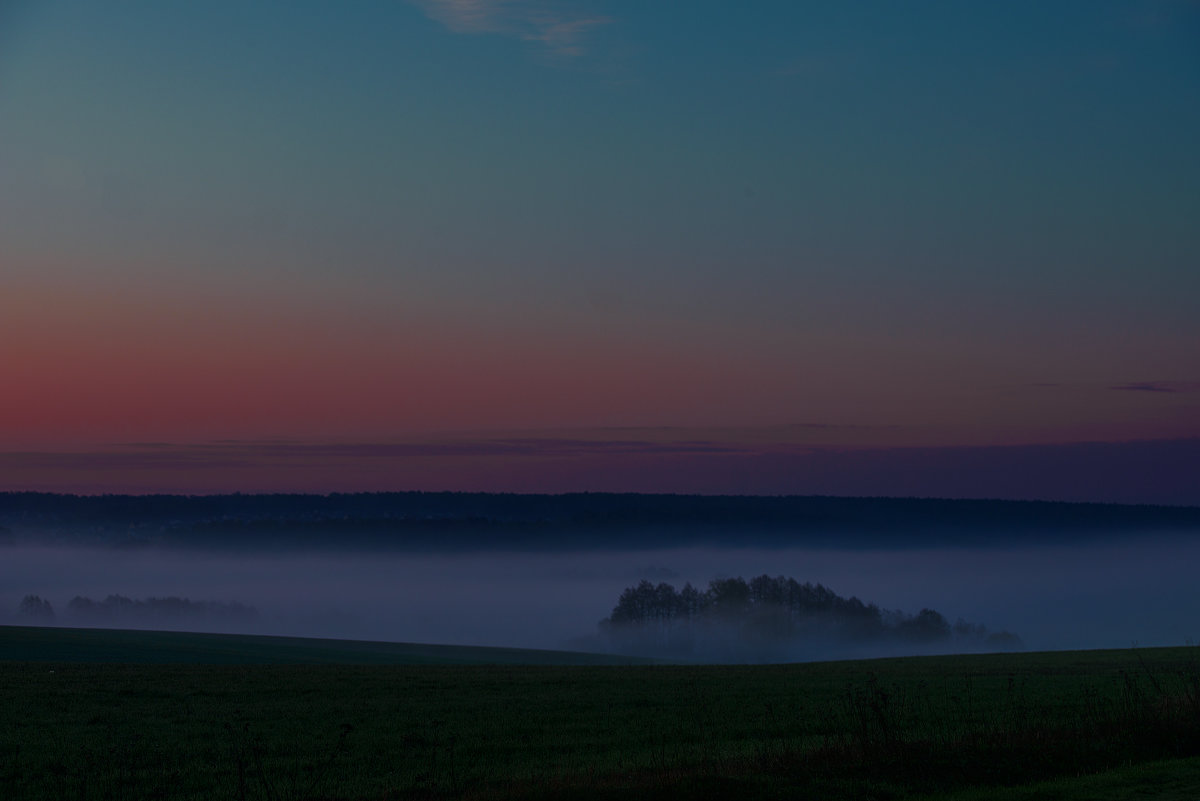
(775, 617)
(34, 609)
(120, 609)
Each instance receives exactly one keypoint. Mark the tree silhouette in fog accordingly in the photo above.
(119, 608)
(35, 609)
(770, 616)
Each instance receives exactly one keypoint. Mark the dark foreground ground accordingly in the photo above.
(205, 716)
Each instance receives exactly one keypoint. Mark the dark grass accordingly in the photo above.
(1165, 780)
(893, 728)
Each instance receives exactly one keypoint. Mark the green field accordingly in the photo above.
(206, 716)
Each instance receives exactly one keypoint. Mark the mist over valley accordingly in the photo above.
(1104, 594)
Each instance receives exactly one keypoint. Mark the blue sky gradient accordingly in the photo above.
(391, 220)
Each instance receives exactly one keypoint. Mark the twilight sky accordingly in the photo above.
(850, 248)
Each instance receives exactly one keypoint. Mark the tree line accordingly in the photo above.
(119, 608)
(449, 521)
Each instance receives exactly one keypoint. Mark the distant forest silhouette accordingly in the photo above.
(776, 617)
(465, 521)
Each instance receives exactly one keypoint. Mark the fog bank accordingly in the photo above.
(1111, 594)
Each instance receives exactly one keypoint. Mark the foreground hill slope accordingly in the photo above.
(37, 644)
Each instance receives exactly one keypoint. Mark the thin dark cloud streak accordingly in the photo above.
(228, 454)
(527, 446)
(1170, 387)
(168, 458)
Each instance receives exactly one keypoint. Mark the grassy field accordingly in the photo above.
(1097, 724)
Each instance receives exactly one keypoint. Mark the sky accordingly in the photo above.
(940, 249)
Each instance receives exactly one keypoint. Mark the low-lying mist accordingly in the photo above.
(1110, 594)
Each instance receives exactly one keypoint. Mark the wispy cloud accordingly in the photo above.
(230, 453)
(1157, 386)
(515, 446)
(558, 25)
